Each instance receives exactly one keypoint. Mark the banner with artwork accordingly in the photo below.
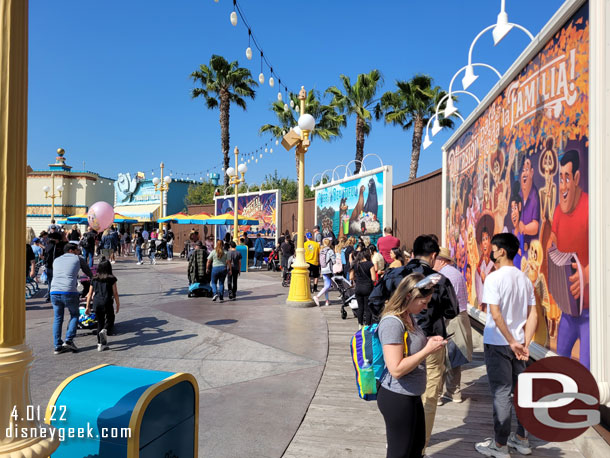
(258, 205)
(522, 167)
(356, 206)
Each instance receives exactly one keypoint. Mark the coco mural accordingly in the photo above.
(522, 167)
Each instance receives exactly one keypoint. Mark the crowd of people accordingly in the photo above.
(57, 255)
(419, 300)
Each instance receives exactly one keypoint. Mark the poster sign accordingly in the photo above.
(356, 206)
(263, 206)
(522, 167)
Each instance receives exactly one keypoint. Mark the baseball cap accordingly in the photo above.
(35, 239)
(308, 235)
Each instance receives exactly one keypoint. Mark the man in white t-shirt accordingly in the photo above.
(510, 327)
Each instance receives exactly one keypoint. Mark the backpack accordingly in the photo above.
(343, 257)
(324, 258)
(367, 356)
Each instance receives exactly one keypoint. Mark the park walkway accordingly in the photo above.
(339, 424)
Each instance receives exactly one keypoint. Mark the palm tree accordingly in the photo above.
(328, 121)
(223, 83)
(358, 99)
(411, 106)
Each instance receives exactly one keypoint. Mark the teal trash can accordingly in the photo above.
(126, 412)
(243, 249)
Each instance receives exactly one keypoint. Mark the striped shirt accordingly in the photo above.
(459, 285)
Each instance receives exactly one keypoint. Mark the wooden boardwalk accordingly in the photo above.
(339, 424)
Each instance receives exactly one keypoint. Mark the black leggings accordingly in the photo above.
(364, 312)
(405, 423)
(104, 314)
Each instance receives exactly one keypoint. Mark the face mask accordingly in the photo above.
(492, 257)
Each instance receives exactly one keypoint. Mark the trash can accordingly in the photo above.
(243, 249)
(113, 411)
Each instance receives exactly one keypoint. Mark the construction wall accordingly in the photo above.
(416, 209)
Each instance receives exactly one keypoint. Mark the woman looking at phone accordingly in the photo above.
(405, 348)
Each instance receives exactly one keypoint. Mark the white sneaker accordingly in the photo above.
(316, 300)
(100, 347)
(138, 263)
(489, 448)
(103, 339)
(521, 445)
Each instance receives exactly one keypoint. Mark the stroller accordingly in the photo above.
(347, 293)
(273, 261)
(161, 252)
(86, 284)
(286, 273)
(200, 290)
(86, 321)
(199, 282)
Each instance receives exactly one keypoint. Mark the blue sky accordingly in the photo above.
(109, 80)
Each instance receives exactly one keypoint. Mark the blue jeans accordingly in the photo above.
(61, 301)
(258, 258)
(88, 255)
(219, 274)
(170, 251)
(139, 253)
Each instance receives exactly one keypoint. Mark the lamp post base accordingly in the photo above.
(41, 440)
(299, 294)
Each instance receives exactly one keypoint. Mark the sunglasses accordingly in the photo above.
(428, 282)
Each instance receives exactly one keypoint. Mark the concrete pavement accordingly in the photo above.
(257, 362)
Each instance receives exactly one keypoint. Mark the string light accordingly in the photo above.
(234, 15)
(237, 10)
(261, 77)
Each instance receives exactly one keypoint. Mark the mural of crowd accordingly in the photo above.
(522, 167)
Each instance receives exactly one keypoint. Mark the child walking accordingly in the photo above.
(152, 250)
(103, 290)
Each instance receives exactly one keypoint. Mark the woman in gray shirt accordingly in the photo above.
(405, 348)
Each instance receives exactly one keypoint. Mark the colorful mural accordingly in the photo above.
(522, 167)
(356, 207)
(262, 206)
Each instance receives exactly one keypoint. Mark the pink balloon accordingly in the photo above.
(100, 216)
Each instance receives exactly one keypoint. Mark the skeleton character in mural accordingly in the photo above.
(569, 259)
(530, 213)
(547, 166)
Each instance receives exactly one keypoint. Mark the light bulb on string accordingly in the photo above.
(249, 49)
(291, 103)
(277, 142)
(256, 160)
(271, 150)
(233, 18)
(266, 150)
(297, 109)
(261, 76)
(261, 155)
(285, 107)
(279, 96)
(271, 82)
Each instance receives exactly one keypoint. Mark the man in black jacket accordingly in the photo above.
(443, 305)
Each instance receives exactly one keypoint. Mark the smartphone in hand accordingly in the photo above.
(449, 336)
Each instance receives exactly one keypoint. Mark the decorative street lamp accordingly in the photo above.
(299, 294)
(162, 186)
(233, 174)
(48, 189)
